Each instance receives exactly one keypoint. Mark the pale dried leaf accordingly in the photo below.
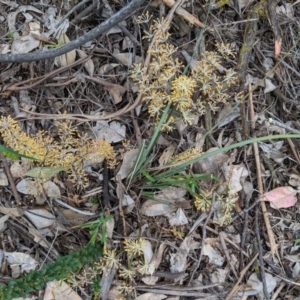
(152, 208)
(268, 64)
(59, 290)
(20, 262)
(286, 9)
(11, 4)
(126, 58)
(178, 262)
(271, 150)
(88, 65)
(214, 255)
(3, 178)
(39, 237)
(68, 58)
(3, 224)
(127, 43)
(117, 92)
(269, 86)
(51, 189)
(24, 45)
(256, 284)
(219, 275)
(151, 296)
(11, 211)
(150, 280)
(211, 165)
(128, 163)
(128, 204)
(110, 224)
(26, 186)
(103, 70)
(179, 218)
(173, 193)
(41, 218)
(166, 155)
(235, 174)
(11, 18)
(281, 197)
(111, 132)
(243, 3)
(4, 48)
(227, 115)
(147, 251)
(294, 180)
(157, 258)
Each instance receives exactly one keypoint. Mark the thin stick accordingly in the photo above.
(243, 272)
(10, 179)
(273, 244)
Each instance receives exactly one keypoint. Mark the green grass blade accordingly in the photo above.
(177, 169)
(44, 172)
(10, 153)
(143, 156)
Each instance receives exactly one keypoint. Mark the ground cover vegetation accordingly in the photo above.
(149, 149)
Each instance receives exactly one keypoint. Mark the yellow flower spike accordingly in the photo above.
(183, 86)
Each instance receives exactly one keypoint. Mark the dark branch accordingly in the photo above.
(106, 25)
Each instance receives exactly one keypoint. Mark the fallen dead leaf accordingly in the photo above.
(20, 262)
(41, 218)
(88, 65)
(68, 58)
(128, 162)
(112, 132)
(59, 290)
(3, 178)
(281, 197)
(151, 296)
(214, 255)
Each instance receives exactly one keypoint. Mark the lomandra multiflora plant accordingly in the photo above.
(164, 81)
(69, 151)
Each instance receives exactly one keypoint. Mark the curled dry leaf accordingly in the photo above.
(128, 204)
(166, 155)
(117, 92)
(294, 180)
(3, 178)
(126, 59)
(68, 58)
(4, 49)
(147, 251)
(106, 68)
(109, 225)
(11, 18)
(281, 197)
(88, 65)
(235, 174)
